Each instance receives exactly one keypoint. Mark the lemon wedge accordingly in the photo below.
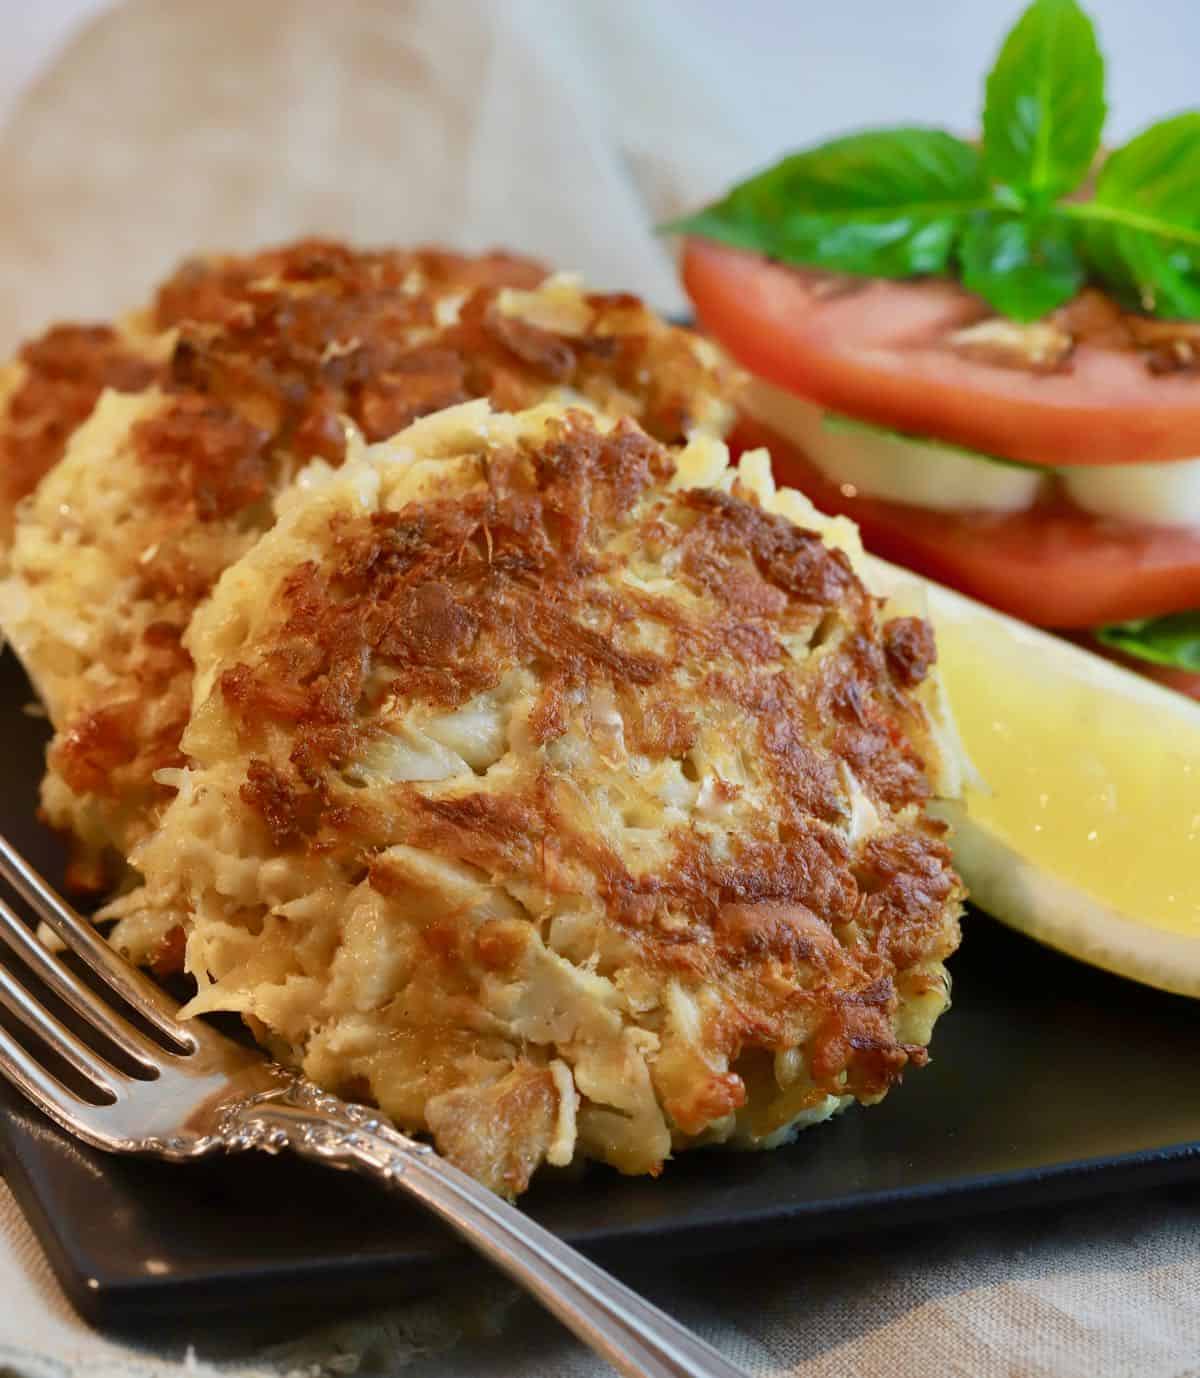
(1086, 832)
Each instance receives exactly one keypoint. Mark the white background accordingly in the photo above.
(820, 67)
(816, 67)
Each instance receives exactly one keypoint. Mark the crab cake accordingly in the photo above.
(264, 363)
(51, 387)
(565, 794)
(54, 382)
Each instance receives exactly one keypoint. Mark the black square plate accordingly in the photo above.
(1049, 1080)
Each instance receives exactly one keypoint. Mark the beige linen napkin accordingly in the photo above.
(1102, 1290)
(563, 129)
(168, 126)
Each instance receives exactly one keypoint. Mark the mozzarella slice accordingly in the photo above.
(1166, 494)
(867, 462)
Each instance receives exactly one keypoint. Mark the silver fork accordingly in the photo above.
(209, 1094)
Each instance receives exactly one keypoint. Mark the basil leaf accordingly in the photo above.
(1173, 640)
(888, 203)
(910, 202)
(1044, 108)
(1141, 232)
(1025, 268)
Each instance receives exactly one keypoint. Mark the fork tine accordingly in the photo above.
(89, 1064)
(81, 998)
(79, 935)
(23, 1070)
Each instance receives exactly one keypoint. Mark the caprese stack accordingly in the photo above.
(996, 378)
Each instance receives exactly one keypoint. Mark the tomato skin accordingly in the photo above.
(1185, 682)
(1054, 566)
(1182, 681)
(873, 354)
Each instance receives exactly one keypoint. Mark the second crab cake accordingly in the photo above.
(243, 370)
(564, 793)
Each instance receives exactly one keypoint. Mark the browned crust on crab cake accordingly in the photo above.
(264, 357)
(297, 337)
(705, 790)
(53, 385)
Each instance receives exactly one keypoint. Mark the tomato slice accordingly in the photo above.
(879, 353)
(1052, 565)
(1182, 681)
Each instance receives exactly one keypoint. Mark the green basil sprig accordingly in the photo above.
(1044, 107)
(1173, 640)
(1141, 232)
(907, 202)
(889, 204)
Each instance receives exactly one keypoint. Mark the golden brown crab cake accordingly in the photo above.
(49, 390)
(564, 793)
(165, 484)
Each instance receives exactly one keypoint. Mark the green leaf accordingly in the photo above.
(910, 202)
(1141, 233)
(1045, 108)
(1025, 268)
(888, 203)
(1173, 640)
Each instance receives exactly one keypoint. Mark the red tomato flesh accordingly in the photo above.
(1053, 565)
(878, 353)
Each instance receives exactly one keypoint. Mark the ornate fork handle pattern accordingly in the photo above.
(637, 1338)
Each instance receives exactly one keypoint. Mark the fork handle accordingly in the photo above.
(637, 1338)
